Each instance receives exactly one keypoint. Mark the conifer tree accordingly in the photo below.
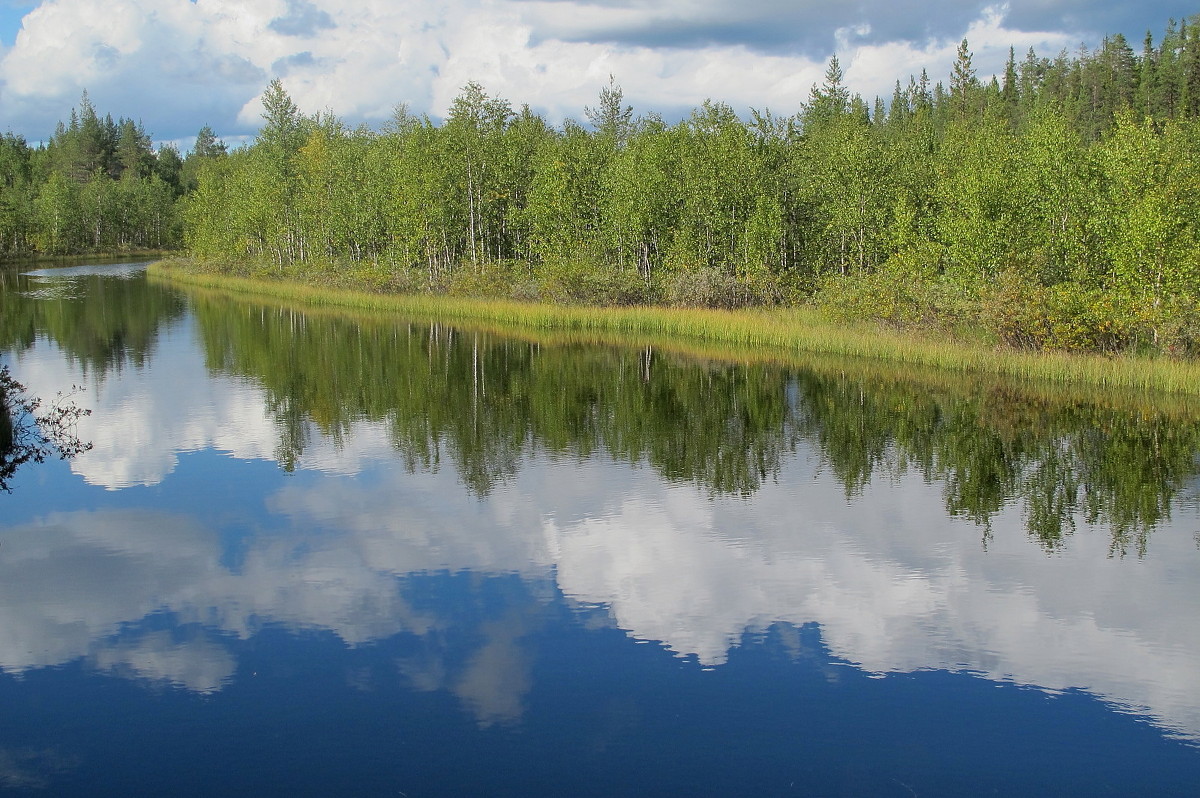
(963, 82)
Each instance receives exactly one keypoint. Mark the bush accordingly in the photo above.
(586, 281)
(386, 278)
(487, 280)
(1027, 315)
(1174, 327)
(708, 287)
(889, 295)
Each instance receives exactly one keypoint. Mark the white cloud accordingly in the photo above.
(880, 65)
(177, 65)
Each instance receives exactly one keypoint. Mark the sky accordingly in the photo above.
(176, 65)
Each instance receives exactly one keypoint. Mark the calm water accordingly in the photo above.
(313, 555)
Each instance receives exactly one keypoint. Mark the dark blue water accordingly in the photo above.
(254, 584)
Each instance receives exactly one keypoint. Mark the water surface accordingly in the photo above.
(314, 554)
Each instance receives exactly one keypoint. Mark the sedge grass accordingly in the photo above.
(777, 333)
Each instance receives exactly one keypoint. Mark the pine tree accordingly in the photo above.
(1032, 74)
(1009, 91)
(1144, 104)
(831, 99)
(1191, 69)
(134, 156)
(208, 145)
(900, 109)
(963, 83)
(285, 126)
(611, 118)
(207, 148)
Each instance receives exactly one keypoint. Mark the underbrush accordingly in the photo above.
(1017, 312)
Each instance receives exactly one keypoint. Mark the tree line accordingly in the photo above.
(97, 185)
(1052, 206)
(1055, 205)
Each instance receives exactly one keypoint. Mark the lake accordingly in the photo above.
(313, 553)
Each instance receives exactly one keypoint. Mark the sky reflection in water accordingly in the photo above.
(584, 621)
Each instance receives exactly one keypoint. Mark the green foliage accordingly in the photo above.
(845, 177)
(575, 281)
(1151, 202)
(1069, 317)
(889, 295)
(1057, 207)
(96, 186)
(58, 216)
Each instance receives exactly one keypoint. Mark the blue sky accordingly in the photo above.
(179, 64)
(11, 13)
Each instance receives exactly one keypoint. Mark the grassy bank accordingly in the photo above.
(778, 331)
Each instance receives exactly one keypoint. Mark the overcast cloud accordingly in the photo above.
(178, 64)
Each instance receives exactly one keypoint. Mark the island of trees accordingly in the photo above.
(1054, 206)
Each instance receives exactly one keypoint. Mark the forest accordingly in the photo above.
(96, 186)
(1054, 206)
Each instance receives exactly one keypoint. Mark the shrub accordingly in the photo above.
(1027, 315)
(586, 281)
(887, 295)
(1174, 326)
(485, 280)
(699, 288)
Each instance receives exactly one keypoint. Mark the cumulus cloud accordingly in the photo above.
(178, 64)
(199, 665)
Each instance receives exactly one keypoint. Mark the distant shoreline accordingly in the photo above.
(86, 257)
(791, 329)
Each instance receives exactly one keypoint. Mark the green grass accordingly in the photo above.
(774, 333)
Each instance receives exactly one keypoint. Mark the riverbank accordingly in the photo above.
(795, 329)
(72, 260)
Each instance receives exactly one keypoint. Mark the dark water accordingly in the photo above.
(312, 555)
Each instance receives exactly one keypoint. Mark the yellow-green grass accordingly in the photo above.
(773, 333)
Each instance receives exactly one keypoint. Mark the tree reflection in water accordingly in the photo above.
(30, 432)
(486, 402)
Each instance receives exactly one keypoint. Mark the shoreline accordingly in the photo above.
(785, 331)
(72, 260)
